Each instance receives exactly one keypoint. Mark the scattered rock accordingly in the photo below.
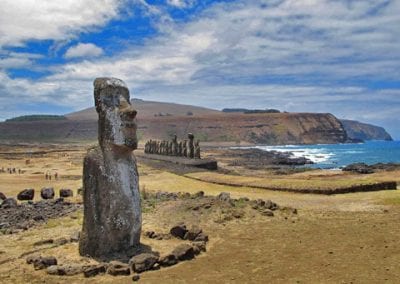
(65, 192)
(143, 262)
(69, 270)
(75, 237)
(202, 237)
(267, 212)
(26, 194)
(200, 245)
(183, 252)
(9, 203)
(178, 231)
(61, 241)
(224, 196)
(192, 233)
(44, 242)
(135, 277)
(198, 194)
(168, 260)
(80, 191)
(2, 196)
(360, 168)
(94, 270)
(43, 262)
(116, 268)
(47, 193)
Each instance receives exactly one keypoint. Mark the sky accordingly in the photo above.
(336, 56)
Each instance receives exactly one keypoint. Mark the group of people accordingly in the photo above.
(48, 175)
(186, 148)
(11, 170)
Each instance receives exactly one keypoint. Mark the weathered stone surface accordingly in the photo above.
(112, 212)
(66, 192)
(192, 233)
(26, 194)
(143, 262)
(9, 203)
(94, 270)
(168, 260)
(202, 237)
(68, 270)
(224, 196)
(360, 168)
(47, 193)
(200, 245)
(42, 262)
(178, 231)
(116, 268)
(2, 196)
(183, 252)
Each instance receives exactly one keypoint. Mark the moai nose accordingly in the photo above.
(130, 114)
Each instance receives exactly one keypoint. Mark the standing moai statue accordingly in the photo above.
(175, 146)
(197, 150)
(191, 145)
(184, 148)
(180, 149)
(112, 219)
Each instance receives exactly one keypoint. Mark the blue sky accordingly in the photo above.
(337, 56)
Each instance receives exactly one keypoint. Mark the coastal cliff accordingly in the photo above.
(163, 120)
(364, 131)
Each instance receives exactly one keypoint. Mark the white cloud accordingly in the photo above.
(84, 50)
(52, 19)
(288, 54)
(181, 3)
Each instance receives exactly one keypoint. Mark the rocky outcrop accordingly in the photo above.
(364, 131)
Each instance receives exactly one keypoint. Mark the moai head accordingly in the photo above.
(117, 117)
(190, 136)
(174, 138)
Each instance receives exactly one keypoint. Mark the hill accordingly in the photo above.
(148, 109)
(364, 131)
(158, 120)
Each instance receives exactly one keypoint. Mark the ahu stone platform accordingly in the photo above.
(207, 164)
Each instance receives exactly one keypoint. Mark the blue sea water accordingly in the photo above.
(339, 155)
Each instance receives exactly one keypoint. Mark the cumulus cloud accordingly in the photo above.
(52, 19)
(296, 55)
(181, 3)
(84, 50)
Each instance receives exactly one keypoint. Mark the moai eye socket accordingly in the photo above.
(111, 101)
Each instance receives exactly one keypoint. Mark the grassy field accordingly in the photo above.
(333, 239)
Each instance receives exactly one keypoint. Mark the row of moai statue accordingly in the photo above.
(186, 148)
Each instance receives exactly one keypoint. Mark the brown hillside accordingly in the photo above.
(274, 128)
(147, 109)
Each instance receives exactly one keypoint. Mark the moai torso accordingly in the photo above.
(191, 145)
(112, 213)
(197, 150)
(180, 148)
(184, 149)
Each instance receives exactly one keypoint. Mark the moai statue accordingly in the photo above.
(175, 146)
(112, 219)
(184, 148)
(158, 147)
(180, 149)
(171, 148)
(191, 145)
(197, 150)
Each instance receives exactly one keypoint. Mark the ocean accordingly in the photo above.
(333, 156)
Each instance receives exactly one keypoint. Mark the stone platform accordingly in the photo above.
(207, 164)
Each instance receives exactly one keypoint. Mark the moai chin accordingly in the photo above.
(112, 214)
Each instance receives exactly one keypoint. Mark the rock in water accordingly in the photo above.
(112, 214)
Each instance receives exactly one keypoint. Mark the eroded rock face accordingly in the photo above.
(112, 213)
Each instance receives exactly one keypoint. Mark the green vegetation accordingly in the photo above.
(37, 117)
